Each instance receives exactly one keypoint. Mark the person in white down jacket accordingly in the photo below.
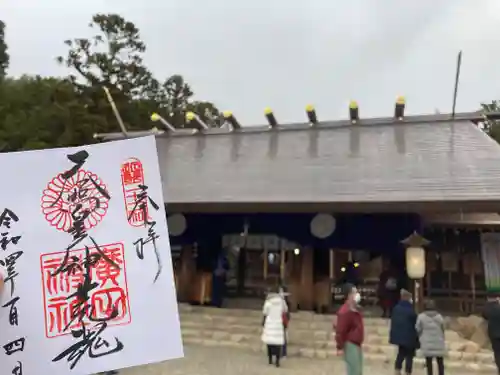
(273, 333)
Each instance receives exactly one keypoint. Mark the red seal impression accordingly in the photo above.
(82, 191)
(132, 173)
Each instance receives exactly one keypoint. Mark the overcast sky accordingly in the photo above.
(246, 55)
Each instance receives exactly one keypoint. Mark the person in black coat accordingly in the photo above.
(388, 289)
(403, 333)
(492, 314)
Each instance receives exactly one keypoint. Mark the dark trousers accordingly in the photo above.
(274, 351)
(283, 351)
(405, 355)
(440, 363)
(495, 345)
(387, 303)
(218, 290)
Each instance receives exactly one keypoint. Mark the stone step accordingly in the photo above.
(249, 326)
(310, 335)
(310, 338)
(253, 340)
(297, 320)
(480, 364)
(210, 313)
(298, 328)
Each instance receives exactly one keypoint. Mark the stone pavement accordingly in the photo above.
(228, 361)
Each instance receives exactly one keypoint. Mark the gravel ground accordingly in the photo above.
(223, 361)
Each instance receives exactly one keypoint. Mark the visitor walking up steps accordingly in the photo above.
(403, 333)
(430, 329)
(273, 333)
(349, 331)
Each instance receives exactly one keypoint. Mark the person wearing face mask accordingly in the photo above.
(349, 331)
(403, 333)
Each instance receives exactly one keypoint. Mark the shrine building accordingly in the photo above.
(306, 203)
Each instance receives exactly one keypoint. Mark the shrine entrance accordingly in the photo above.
(257, 262)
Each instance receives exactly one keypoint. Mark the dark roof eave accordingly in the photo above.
(419, 207)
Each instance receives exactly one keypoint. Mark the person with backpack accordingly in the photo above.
(403, 333)
(430, 329)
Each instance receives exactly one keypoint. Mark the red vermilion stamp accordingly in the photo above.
(59, 291)
(132, 173)
(80, 192)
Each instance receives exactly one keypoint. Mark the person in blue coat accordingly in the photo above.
(219, 278)
(403, 333)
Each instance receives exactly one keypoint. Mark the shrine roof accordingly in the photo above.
(416, 160)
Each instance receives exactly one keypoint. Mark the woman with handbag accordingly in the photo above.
(273, 333)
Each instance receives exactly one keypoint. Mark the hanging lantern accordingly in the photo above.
(415, 255)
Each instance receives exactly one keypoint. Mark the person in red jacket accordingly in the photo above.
(349, 332)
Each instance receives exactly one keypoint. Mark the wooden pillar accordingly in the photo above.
(282, 265)
(293, 280)
(265, 264)
(472, 266)
(331, 272)
(418, 295)
(307, 279)
(187, 273)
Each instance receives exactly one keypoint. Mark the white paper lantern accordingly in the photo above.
(176, 224)
(323, 225)
(415, 262)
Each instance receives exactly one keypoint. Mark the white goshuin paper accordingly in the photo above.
(153, 333)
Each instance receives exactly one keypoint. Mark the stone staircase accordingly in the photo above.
(310, 335)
